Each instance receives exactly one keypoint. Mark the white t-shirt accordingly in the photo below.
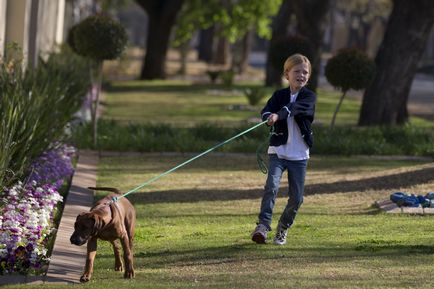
(295, 149)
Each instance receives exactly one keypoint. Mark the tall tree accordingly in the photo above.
(162, 16)
(232, 19)
(407, 31)
(310, 17)
(280, 27)
(310, 24)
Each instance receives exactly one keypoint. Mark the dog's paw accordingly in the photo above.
(84, 278)
(129, 274)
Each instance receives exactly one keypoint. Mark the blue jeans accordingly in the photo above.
(296, 174)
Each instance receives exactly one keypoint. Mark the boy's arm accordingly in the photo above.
(270, 107)
(302, 107)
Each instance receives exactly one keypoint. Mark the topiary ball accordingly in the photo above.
(350, 68)
(70, 38)
(284, 47)
(98, 37)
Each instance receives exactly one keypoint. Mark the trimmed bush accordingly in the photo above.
(98, 37)
(255, 95)
(349, 69)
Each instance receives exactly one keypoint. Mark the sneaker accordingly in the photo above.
(280, 238)
(259, 235)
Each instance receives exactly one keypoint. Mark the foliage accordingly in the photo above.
(27, 212)
(350, 69)
(286, 46)
(235, 17)
(368, 9)
(255, 94)
(35, 107)
(98, 37)
(344, 140)
(376, 141)
(213, 75)
(227, 77)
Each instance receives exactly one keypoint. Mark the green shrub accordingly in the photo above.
(255, 95)
(213, 75)
(349, 69)
(338, 141)
(35, 107)
(227, 77)
(98, 37)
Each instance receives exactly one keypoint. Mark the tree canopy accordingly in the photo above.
(236, 18)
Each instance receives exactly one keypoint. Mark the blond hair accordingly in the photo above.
(294, 60)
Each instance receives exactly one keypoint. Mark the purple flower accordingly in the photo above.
(26, 212)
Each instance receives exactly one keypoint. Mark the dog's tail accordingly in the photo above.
(114, 190)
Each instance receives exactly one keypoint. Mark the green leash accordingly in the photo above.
(115, 199)
(259, 151)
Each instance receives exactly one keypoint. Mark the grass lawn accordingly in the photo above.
(193, 226)
(183, 104)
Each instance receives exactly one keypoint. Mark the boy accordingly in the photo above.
(291, 112)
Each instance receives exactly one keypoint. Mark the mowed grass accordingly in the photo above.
(193, 226)
(184, 104)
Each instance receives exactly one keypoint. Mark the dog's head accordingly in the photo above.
(86, 225)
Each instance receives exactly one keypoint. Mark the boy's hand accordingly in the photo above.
(272, 119)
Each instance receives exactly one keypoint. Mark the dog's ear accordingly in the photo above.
(99, 223)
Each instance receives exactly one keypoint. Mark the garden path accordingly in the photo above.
(67, 260)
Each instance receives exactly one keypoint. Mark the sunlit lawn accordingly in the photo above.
(193, 226)
(181, 103)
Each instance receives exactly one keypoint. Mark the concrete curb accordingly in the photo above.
(67, 260)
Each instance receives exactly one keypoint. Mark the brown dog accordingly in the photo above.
(108, 222)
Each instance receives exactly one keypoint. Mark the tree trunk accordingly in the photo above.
(96, 79)
(162, 16)
(183, 53)
(221, 54)
(311, 16)
(273, 77)
(241, 52)
(385, 100)
(206, 44)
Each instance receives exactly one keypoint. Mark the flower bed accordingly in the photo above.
(28, 211)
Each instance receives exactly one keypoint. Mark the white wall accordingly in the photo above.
(3, 6)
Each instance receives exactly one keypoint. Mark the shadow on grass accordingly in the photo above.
(252, 252)
(391, 182)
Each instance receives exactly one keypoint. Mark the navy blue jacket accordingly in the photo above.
(303, 111)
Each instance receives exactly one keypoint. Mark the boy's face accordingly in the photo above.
(298, 76)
